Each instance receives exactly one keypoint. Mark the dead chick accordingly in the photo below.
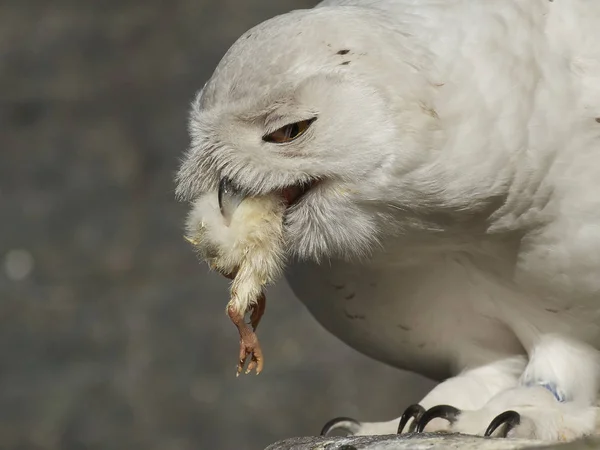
(241, 237)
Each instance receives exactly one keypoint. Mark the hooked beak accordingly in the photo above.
(229, 198)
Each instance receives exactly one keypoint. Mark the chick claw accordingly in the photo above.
(250, 346)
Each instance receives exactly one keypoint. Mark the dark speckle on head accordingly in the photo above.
(350, 296)
(345, 63)
(404, 327)
(343, 52)
(338, 286)
(598, 119)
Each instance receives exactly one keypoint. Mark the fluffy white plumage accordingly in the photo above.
(456, 218)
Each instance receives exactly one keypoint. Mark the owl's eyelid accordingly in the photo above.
(287, 127)
(275, 123)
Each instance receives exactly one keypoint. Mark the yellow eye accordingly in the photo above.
(289, 132)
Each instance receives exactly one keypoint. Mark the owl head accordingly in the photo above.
(328, 110)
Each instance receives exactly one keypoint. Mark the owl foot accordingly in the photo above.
(524, 412)
(507, 420)
(469, 390)
(503, 423)
(354, 427)
(527, 412)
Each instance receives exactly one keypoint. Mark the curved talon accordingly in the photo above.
(510, 418)
(415, 412)
(450, 413)
(345, 423)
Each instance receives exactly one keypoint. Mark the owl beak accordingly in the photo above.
(229, 198)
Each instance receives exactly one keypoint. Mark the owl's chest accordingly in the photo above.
(427, 319)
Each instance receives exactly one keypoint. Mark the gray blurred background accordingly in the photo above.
(112, 335)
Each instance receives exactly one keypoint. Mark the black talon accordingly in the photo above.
(345, 423)
(413, 411)
(510, 418)
(450, 413)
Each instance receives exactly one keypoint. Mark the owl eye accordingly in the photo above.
(289, 132)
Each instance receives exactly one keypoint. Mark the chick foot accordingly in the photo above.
(249, 344)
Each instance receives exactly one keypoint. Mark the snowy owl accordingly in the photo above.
(427, 173)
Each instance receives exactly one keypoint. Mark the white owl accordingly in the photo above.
(428, 172)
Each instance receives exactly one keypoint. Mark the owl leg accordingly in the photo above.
(440, 408)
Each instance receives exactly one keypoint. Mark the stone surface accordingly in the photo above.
(112, 336)
(425, 441)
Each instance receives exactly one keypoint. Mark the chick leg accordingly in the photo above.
(258, 310)
(249, 344)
